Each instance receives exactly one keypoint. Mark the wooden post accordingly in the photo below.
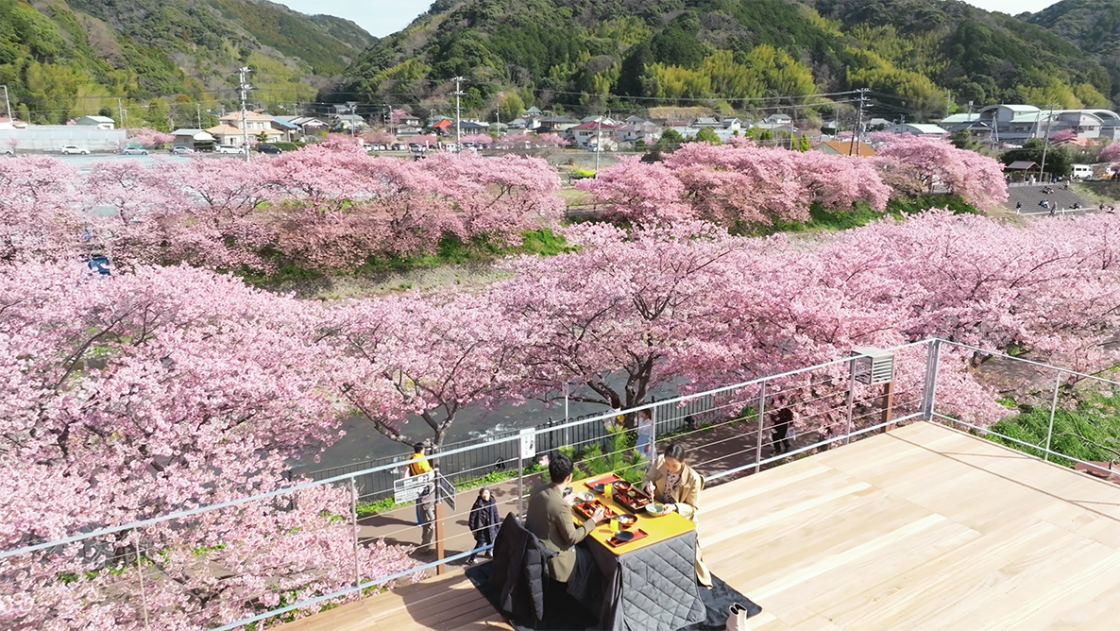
(439, 537)
(888, 403)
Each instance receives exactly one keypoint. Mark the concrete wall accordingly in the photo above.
(51, 138)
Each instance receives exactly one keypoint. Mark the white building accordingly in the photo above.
(191, 138)
(916, 129)
(100, 122)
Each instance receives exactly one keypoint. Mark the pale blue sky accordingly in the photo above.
(385, 17)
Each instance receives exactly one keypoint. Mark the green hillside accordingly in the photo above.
(581, 54)
(65, 58)
(1094, 25)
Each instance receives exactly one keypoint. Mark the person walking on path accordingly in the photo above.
(426, 503)
(483, 523)
(645, 438)
(782, 420)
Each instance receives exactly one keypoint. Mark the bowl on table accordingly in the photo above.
(598, 488)
(655, 510)
(584, 496)
(626, 521)
(623, 535)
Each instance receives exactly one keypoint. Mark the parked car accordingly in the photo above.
(134, 151)
(181, 150)
(74, 150)
(267, 148)
(228, 149)
(4, 151)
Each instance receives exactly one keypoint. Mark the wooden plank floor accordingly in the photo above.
(921, 528)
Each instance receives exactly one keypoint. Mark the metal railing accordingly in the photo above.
(729, 432)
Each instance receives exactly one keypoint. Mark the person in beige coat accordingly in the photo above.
(676, 485)
(549, 517)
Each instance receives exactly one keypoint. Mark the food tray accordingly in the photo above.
(639, 534)
(609, 478)
(587, 509)
(630, 497)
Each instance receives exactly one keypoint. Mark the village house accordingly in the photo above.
(846, 148)
(917, 129)
(308, 125)
(255, 123)
(556, 124)
(587, 135)
(100, 122)
(192, 139)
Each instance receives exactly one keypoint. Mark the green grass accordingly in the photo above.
(1087, 428)
(385, 505)
(860, 214)
(449, 251)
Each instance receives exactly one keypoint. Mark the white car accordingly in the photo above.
(229, 149)
(74, 150)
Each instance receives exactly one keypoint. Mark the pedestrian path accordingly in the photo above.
(1029, 196)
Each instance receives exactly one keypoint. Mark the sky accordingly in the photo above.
(385, 17)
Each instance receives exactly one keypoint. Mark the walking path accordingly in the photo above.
(1029, 196)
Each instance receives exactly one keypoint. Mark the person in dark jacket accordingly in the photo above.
(483, 523)
(781, 420)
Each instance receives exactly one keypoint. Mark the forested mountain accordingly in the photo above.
(730, 53)
(1094, 25)
(61, 58)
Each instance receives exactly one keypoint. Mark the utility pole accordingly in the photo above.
(198, 114)
(598, 146)
(7, 103)
(458, 116)
(1046, 141)
(120, 112)
(244, 86)
(859, 125)
(353, 105)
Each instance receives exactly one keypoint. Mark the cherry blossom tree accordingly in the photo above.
(496, 198)
(1111, 153)
(641, 307)
(152, 138)
(481, 140)
(737, 186)
(38, 220)
(431, 356)
(140, 394)
(379, 137)
(1062, 135)
(936, 162)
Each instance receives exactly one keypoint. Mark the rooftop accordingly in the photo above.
(249, 116)
(923, 527)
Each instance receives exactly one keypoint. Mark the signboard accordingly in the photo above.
(411, 488)
(528, 443)
(446, 491)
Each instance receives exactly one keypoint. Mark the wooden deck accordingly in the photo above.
(922, 528)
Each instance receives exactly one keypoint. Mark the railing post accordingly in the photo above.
(354, 525)
(1053, 409)
(929, 394)
(520, 480)
(851, 397)
(761, 422)
(140, 575)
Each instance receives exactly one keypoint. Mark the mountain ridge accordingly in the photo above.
(62, 58)
(728, 52)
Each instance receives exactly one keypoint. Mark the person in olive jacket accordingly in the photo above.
(549, 518)
(676, 485)
(483, 523)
